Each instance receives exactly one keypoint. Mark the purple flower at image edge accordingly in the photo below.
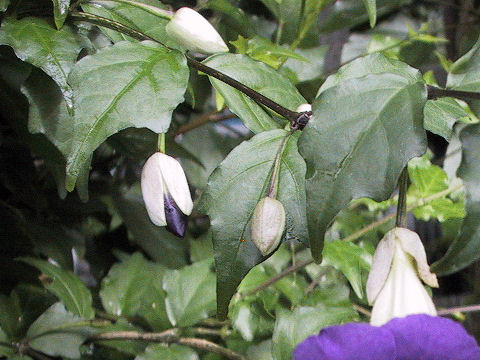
(415, 337)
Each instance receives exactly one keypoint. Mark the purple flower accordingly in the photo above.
(415, 337)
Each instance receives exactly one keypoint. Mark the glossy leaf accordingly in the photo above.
(257, 76)
(361, 118)
(126, 284)
(57, 333)
(243, 178)
(465, 249)
(67, 286)
(442, 114)
(293, 327)
(60, 11)
(190, 293)
(171, 352)
(35, 41)
(351, 260)
(125, 85)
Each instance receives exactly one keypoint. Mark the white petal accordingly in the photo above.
(403, 293)
(153, 190)
(304, 107)
(175, 182)
(194, 32)
(268, 224)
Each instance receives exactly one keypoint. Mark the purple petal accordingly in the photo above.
(354, 341)
(424, 337)
(176, 219)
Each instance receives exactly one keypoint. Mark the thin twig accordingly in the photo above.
(401, 220)
(206, 118)
(456, 309)
(362, 310)
(206, 345)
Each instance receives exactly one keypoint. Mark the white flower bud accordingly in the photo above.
(165, 193)
(304, 108)
(194, 32)
(394, 285)
(268, 224)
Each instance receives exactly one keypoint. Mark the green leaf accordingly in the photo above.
(352, 145)
(351, 260)
(465, 72)
(5, 350)
(58, 332)
(132, 17)
(313, 68)
(170, 352)
(123, 346)
(123, 289)
(190, 293)
(442, 114)
(60, 12)
(35, 41)
(251, 320)
(162, 246)
(262, 351)
(465, 249)
(237, 18)
(125, 85)
(250, 163)
(348, 13)
(290, 15)
(67, 286)
(292, 327)
(259, 77)
(371, 6)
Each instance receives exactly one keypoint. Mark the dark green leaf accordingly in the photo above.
(465, 249)
(38, 43)
(251, 321)
(126, 284)
(5, 350)
(442, 114)
(161, 245)
(288, 15)
(60, 11)
(292, 327)
(250, 163)
(171, 352)
(67, 286)
(190, 293)
(259, 77)
(58, 332)
(352, 145)
(351, 260)
(125, 85)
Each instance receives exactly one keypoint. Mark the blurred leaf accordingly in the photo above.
(465, 249)
(60, 11)
(38, 43)
(170, 352)
(239, 20)
(124, 288)
(442, 114)
(289, 15)
(201, 248)
(5, 351)
(360, 118)
(348, 13)
(4, 5)
(67, 286)
(262, 49)
(190, 293)
(259, 77)
(10, 313)
(161, 245)
(251, 321)
(250, 163)
(262, 351)
(464, 73)
(351, 260)
(57, 333)
(134, 85)
(153, 308)
(132, 17)
(310, 69)
(123, 346)
(292, 327)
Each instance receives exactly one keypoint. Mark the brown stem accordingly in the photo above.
(435, 92)
(206, 118)
(452, 310)
(206, 345)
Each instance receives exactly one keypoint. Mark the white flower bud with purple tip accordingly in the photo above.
(394, 285)
(194, 32)
(165, 193)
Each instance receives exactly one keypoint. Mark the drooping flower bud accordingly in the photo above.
(194, 32)
(394, 285)
(268, 224)
(165, 193)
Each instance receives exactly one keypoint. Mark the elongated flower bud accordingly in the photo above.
(268, 224)
(394, 285)
(193, 31)
(165, 193)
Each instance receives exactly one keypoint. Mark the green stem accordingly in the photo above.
(273, 189)
(278, 35)
(164, 14)
(161, 143)
(401, 220)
